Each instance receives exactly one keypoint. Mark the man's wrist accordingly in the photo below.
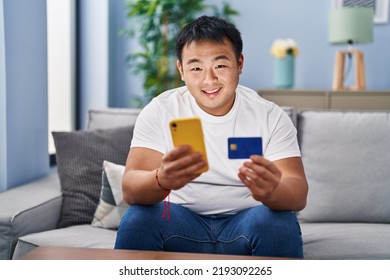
(159, 184)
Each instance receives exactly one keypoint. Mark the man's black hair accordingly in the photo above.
(209, 29)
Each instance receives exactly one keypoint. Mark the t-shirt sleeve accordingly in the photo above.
(148, 130)
(283, 142)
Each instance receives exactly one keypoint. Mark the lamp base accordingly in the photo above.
(338, 74)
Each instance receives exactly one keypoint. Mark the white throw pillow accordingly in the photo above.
(111, 207)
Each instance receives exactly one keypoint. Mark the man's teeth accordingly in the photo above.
(211, 91)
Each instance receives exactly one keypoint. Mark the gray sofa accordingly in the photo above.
(347, 161)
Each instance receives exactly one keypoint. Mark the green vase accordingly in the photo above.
(284, 71)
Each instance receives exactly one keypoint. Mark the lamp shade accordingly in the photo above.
(351, 25)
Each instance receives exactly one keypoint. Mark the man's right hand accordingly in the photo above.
(178, 167)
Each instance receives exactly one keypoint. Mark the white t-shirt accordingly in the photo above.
(219, 190)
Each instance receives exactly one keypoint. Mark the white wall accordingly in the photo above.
(61, 66)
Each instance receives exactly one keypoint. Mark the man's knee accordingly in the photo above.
(266, 218)
(139, 216)
(138, 227)
(278, 233)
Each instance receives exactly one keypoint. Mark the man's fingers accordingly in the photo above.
(177, 152)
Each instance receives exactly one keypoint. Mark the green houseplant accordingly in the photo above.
(156, 23)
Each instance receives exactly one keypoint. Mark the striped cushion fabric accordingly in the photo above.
(80, 156)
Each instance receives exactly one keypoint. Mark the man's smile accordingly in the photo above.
(211, 91)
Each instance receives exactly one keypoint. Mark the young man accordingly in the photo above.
(242, 207)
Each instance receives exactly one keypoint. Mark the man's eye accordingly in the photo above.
(196, 69)
(221, 66)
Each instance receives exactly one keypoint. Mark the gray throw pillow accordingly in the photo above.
(80, 156)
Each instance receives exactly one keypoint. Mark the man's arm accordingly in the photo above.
(139, 183)
(174, 170)
(280, 185)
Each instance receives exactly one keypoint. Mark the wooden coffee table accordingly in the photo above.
(71, 253)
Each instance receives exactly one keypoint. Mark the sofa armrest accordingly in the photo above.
(33, 207)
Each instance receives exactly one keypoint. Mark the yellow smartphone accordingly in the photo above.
(188, 131)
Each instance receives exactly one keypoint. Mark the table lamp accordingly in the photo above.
(350, 25)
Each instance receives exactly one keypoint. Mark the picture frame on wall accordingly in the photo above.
(381, 7)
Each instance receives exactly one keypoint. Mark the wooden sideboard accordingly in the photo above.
(328, 99)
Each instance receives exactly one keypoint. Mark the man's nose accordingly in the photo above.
(209, 76)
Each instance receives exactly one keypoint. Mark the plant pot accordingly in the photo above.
(284, 71)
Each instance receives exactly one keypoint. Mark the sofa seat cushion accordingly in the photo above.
(74, 236)
(346, 241)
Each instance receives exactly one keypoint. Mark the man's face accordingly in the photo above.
(211, 72)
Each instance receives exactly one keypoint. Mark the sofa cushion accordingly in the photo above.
(111, 206)
(111, 117)
(80, 156)
(75, 236)
(331, 241)
(346, 157)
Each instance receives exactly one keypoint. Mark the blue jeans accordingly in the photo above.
(256, 231)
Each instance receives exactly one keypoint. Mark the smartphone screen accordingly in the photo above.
(188, 131)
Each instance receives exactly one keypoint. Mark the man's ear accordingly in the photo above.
(240, 63)
(180, 67)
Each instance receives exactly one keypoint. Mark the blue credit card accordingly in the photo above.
(244, 147)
